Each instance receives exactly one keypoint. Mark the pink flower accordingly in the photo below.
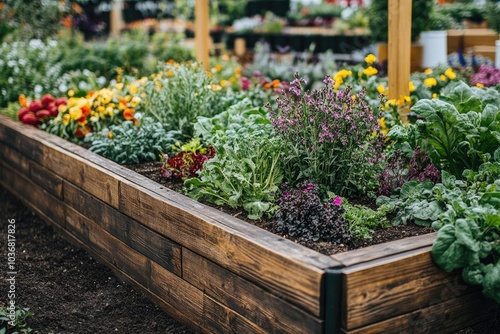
(337, 201)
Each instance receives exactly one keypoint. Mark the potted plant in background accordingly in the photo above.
(434, 39)
(378, 25)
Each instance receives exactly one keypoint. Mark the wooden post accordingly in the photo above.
(399, 51)
(202, 34)
(116, 19)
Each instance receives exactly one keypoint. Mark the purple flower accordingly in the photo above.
(337, 201)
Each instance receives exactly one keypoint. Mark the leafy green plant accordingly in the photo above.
(181, 92)
(17, 324)
(327, 138)
(460, 131)
(493, 15)
(362, 220)
(245, 171)
(469, 231)
(130, 144)
(301, 214)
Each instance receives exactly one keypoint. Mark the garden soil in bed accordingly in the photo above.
(66, 289)
(151, 171)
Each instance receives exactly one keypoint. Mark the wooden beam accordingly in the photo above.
(116, 18)
(202, 35)
(399, 51)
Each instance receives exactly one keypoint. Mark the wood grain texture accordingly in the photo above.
(33, 193)
(438, 317)
(149, 243)
(22, 137)
(251, 256)
(46, 179)
(220, 319)
(90, 177)
(266, 310)
(379, 251)
(13, 158)
(396, 285)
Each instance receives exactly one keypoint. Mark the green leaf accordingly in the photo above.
(492, 199)
(491, 281)
(446, 251)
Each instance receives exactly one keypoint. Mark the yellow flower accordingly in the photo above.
(110, 135)
(135, 101)
(118, 86)
(412, 87)
(369, 71)
(434, 96)
(428, 71)
(442, 77)
(218, 67)
(223, 82)
(232, 79)
(216, 88)
(94, 119)
(66, 119)
(237, 71)
(480, 85)
(337, 83)
(170, 73)
(132, 88)
(209, 74)
(404, 100)
(71, 93)
(381, 89)
(450, 74)
(101, 110)
(430, 82)
(62, 108)
(354, 97)
(75, 112)
(370, 59)
(391, 102)
(381, 122)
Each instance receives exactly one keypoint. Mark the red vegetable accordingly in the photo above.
(22, 112)
(43, 113)
(30, 118)
(46, 99)
(61, 100)
(35, 106)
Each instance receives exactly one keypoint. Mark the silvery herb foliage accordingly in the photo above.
(132, 144)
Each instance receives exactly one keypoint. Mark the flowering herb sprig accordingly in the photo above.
(329, 137)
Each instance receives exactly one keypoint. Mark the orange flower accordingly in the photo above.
(267, 85)
(85, 110)
(82, 120)
(22, 101)
(90, 94)
(170, 61)
(128, 114)
(82, 131)
(276, 83)
(123, 101)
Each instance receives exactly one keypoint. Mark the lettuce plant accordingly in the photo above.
(187, 160)
(327, 137)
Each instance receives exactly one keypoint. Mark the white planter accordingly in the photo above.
(497, 54)
(435, 48)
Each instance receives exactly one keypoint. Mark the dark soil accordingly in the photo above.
(151, 171)
(67, 290)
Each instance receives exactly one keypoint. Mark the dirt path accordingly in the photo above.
(67, 290)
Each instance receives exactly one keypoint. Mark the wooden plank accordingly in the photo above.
(33, 193)
(156, 247)
(90, 177)
(220, 319)
(118, 254)
(183, 300)
(14, 159)
(251, 256)
(19, 136)
(395, 285)
(439, 317)
(263, 308)
(46, 179)
(379, 251)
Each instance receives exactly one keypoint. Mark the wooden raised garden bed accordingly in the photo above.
(219, 274)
